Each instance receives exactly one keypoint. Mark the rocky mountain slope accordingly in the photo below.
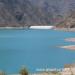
(18, 13)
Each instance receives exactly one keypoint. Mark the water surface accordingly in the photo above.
(34, 49)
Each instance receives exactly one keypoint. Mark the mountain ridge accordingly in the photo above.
(18, 13)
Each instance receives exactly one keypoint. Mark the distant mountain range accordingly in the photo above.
(18, 13)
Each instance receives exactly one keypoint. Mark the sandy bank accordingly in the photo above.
(12, 27)
(70, 47)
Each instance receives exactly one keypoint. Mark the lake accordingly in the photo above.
(35, 49)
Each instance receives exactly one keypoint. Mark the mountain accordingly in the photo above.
(18, 13)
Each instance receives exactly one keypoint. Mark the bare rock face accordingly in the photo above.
(18, 13)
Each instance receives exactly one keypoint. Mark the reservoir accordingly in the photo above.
(34, 49)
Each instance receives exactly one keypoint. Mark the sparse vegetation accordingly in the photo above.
(2, 73)
(23, 71)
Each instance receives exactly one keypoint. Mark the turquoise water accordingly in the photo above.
(34, 49)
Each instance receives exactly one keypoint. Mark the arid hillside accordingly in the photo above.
(18, 13)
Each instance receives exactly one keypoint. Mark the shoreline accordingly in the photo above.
(70, 47)
(13, 27)
(41, 27)
(29, 27)
(65, 29)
